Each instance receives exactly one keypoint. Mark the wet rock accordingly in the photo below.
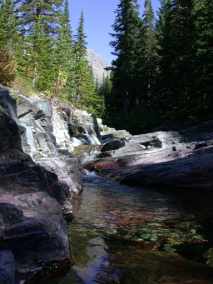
(84, 127)
(192, 171)
(46, 139)
(107, 138)
(7, 267)
(113, 145)
(174, 159)
(108, 133)
(35, 241)
(104, 155)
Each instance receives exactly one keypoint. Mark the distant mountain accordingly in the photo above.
(98, 64)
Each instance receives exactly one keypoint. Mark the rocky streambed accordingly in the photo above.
(156, 231)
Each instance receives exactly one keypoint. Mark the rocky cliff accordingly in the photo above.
(33, 232)
(98, 65)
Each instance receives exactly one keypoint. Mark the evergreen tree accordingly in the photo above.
(46, 12)
(126, 48)
(163, 14)
(39, 25)
(8, 42)
(176, 56)
(150, 48)
(146, 70)
(8, 33)
(163, 95)
(203, 63)
(64, 56)
(149, 29)
(104, 93)
(85, 94)
(105, 90)
(81, 44)
(92, 101)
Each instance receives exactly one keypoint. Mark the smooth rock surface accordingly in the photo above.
(182, 159)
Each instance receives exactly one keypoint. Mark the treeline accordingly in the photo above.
(163, 71)
(36, 42)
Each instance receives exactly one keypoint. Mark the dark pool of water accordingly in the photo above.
(135, 236)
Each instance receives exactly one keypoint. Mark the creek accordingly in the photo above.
(136, 236)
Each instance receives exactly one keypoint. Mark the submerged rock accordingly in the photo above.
(161, 268)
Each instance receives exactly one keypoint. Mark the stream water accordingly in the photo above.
(135, 236)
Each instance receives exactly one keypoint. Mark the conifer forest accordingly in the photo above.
(162, 69)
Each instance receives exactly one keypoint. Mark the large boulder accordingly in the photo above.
(192, 171)
(33, 232)
(182, 159)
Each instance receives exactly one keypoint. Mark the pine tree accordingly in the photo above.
(104, 94)
(81, 64)
(91, 101)
(163, 95)
(84, 81)
(8, 42)
(81, 44)
(149, 29)
(41, 58)
(163, 14)
(8, 33)
(203, 67)
(147, 59)
(45, 11)
(176, 56)
(64, 56)
(39, 25)
(126, 36)
(105, 90)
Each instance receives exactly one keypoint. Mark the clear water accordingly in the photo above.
(134, 236)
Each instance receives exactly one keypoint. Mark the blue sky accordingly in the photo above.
(99, 17)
